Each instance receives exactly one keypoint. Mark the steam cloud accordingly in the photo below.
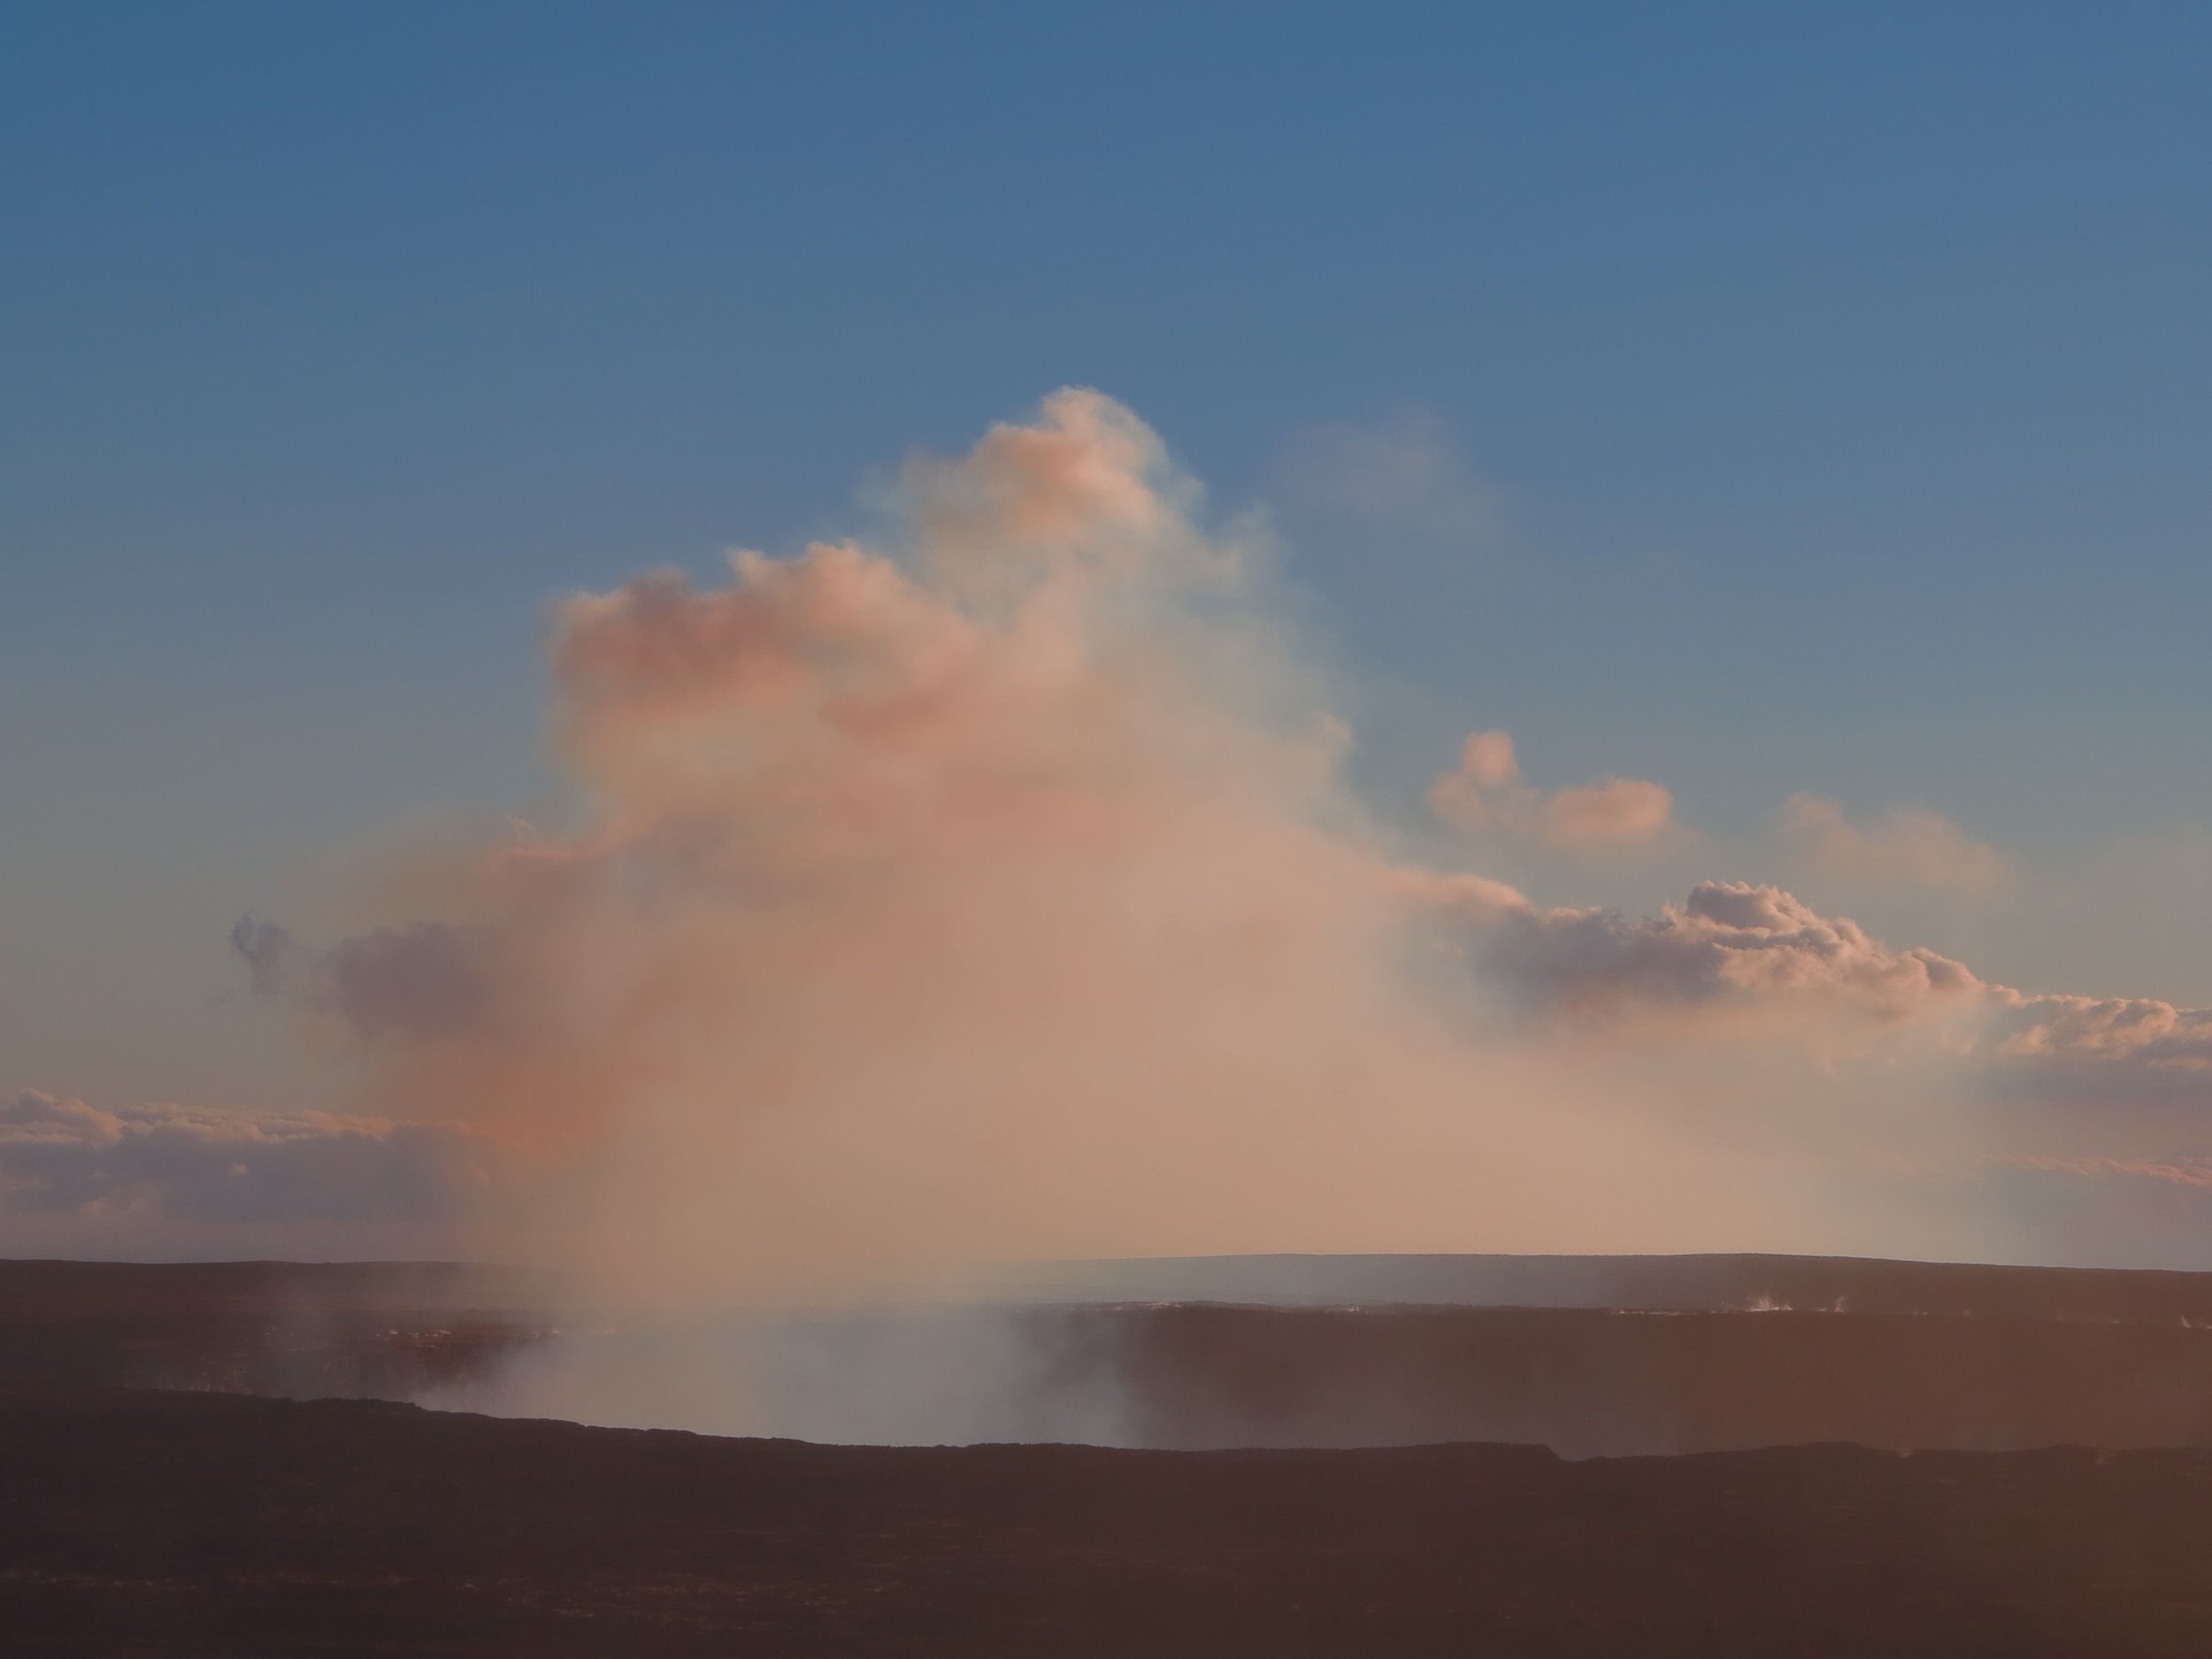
(995, 893)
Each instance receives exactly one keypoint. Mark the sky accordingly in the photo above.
(1799, 411)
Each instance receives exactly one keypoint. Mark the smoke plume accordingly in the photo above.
(994, 891)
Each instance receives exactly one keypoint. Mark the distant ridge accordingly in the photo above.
(1652, 1283)
(1591, 1356)
(1718, 1283)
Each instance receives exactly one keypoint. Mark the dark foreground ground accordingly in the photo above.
(204, 1524)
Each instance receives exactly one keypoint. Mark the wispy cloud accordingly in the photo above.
(1904, 846)
(1486, 794)
(997, 890)
(1406, 474)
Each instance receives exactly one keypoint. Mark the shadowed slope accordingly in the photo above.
(206, 1524)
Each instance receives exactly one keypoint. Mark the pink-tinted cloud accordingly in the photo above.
(995, 892)
(1729, 947)
(1905, 846)
(2110, 1051)
(1763, 955)
(1486, 793)
(2139, 1030)
(990, 895)
(2182, 1172)
(1487, 761)
(1611, 813)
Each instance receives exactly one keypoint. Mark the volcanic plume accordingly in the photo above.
(992, 890)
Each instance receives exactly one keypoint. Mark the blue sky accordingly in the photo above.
(1832, 386)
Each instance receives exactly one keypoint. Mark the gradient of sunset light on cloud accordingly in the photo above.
(1486, 793)
(995, 888)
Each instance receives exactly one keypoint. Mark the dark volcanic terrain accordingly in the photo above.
(377, 1330)
(150, 1504)
(1597, 1384)
(1957, 1358)
(209, 1524)
(1644, 1284)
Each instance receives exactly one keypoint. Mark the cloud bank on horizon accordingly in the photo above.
(73, 1176)
(998, 891)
